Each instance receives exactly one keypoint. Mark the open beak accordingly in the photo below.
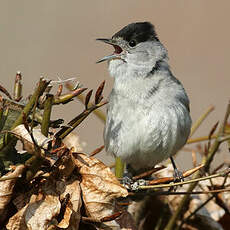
(117, 50)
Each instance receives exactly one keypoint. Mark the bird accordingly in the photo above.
(148, 114)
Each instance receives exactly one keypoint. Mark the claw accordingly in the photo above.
(178, 175)
(132, 185)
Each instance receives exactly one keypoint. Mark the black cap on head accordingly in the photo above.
(139, 31)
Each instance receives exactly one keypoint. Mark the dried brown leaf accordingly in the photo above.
(65, 222)
(72, 141)
(99, 187)
(48, 206)
(72, 215)
(21, 133)
(38, 214)
(6, 188)
(21, 200)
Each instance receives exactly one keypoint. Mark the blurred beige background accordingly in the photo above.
(57, 38)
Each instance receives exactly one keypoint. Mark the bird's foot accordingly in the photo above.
(130, 184)
(178, 176)
(136, 184)
(127, 180)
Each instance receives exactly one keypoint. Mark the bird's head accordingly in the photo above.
(135, 46)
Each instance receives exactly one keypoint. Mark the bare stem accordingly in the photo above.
(47, 114)
(197, 124)
(199, 139)
(38, 92)
(77, 120)
(206, 161)
(221, 174)
(11, 177)
(99, 113)
(17, 95)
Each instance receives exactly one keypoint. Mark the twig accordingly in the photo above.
(217, 142)
(63, 99)
(170, 179)
(96, 151)
(29, 106)
(170, 193)
(59, 91)
(210, 198)
(76, 121)
(87, 98)
(60, 81)
(148, 173)
(195, 193)
(197, 124)
(11, 177)
(38, 92)
(3, 90)
(90, 220)
(207, 161)
(199, 139)
(218, 168)
(111, 217)
(99, 113)
(4, 115)
(196, 210)
(221, 174)
(1, 113)
(98, 95)
(225, 138)
(17, 95)
(194, 160)
(46, 114)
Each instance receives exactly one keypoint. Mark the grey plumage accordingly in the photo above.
(148, 116)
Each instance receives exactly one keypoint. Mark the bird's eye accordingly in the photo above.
(132, 43)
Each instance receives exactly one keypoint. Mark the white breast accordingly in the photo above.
(143, 128)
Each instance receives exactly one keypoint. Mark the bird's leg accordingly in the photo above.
(178, 175)
(127, 177)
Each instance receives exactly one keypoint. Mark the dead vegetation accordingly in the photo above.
(49, 183)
